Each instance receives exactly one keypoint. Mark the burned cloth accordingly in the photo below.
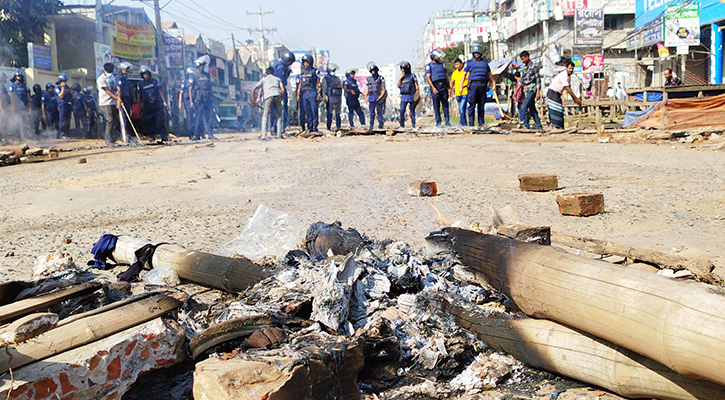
(322, 237)
(102, 250)
(143, 255)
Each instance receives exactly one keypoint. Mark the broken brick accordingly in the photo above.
(580, 204)
(423, 188)
(538, 182)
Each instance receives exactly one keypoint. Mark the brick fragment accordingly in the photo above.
(580, 204)
(423, 188)
(538, 182)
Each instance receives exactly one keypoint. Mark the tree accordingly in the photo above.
(23, 21)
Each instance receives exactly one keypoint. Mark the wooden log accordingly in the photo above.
(86, 330)
(230, 274)
(677, 323)
(556, 348)
(17, 309)
(27, 327)
(700, 268)
(529, 234)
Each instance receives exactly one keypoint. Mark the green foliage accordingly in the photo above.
(23, 21)
(453, 52)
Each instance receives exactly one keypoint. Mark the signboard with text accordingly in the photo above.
(682, 25)
(39, 56)
(131, 51)
(174, 47)
(103, 55)
(135, 35)
(589, 27)
(592, 63)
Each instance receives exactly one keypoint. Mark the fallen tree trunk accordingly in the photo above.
(19, 308)
(699, 268)
(230, 274)
(554, 347)
(87, 330)
(679, 324)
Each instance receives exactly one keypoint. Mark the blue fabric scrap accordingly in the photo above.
(102, 250)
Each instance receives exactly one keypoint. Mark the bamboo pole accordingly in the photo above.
(86, 330)
(19, 308)
(230, 274)
(679, 324)
(554, 347)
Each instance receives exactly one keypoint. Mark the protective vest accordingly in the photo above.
(36, 101)
(308, 79)
(149, 90)
(407, 86)
(51, 102)
(375, 84)
(68, 98)
(437, 71)
(478, 70)
(201, 91)
(334, 87)
(78, 103)
(125, 85)
(21, 91)
(281, 71)
(90, 103)
(351, 84)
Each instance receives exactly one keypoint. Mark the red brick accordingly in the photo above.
(130, 347)
(114, 369)
(154, 345)
(145, 353)
(18, 391)
(423, 188)
(580, 204)
(126, 372)
(65, 385)
(44, 388)
(95, 360)
(538, 182)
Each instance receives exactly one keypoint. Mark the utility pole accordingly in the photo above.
(234, 62)
(99, 21)
(262, 30)
(161, 51)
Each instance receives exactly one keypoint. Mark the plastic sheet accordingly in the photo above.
(162, 276)
(268, 232)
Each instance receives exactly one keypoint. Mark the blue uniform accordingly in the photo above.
(125, 86)
(308, 95)
(79, 115)
(36, 105)
(478, 71)
(376, 83)
(282, 71)
(407, 97)
(153, 108)
(21, 92)
(353, 101)
(65, 109)
(439, 77)
(333, 91)
(90, 103)
(51, 109)
(201, 93)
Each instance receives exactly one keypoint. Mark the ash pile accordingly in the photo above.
(480, 313)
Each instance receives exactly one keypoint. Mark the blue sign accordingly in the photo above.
(577, 60)
(39, 56)
(711, 11)
(648, 10)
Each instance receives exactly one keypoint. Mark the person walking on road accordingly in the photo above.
(64, 93)
(478, 74)
(108, 102)
(531, 83)
(200, 100)
(375, 93)
(352, 98)
(308, 92)
(153, 105)
(437, 77)
(459, 88)
(282, 71)
(560, 83)
(408, 85)
(332, 87)
(273, 89)
(125, 94)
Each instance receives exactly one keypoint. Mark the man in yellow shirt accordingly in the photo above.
(459, 87)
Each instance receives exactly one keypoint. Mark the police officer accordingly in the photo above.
(49, 103)
(92, 107)
(478, 74)
(124, 91)
(20, 101)
(184, 99)
(408, 85)
(64, 94)
(282, 71)
(308, 92)
(375, 92)
(332, 85)
(4, 106)
(200, 100)
(437, 77)
(352, 98)
(80, 112)
(36, 109)
(153, 105)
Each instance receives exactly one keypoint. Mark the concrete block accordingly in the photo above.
(423, 188)
(102, 369)
(538, 182)
(580, 204)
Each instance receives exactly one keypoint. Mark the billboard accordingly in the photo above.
(589, 27)
(39, 56)
(592, 63)
(174, 47)
(131, 51)
(682, 25)
(103, 55)
(135, 35)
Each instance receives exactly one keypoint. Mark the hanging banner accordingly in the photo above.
(39, 56)
(103, 55)
(663, 51)
(589, 27)
(130, 51)
(592, 63)
(174, 47)
(682, 25)
(136, 35)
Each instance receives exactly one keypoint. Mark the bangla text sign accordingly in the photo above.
(135, 35)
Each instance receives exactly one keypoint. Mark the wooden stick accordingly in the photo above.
(679, 324)
(17, 309)
(230, 274)
(554, 347)
(86, 330)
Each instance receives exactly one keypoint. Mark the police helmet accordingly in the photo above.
(77, 87)
(125, 65)
(190, 71)
(49, 86)
(145, 69)
(437, 54)
(332, 67)
(203, 60)
(350, 71)
(88, 89)
(62, 78)
(372, 67)
(37, 87)
(288, 57)
(405, 66)
(308, 58)
(19, 73)
(477, 48)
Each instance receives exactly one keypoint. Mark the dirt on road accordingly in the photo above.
(663, 197)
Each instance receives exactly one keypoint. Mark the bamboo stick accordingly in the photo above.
(679, 324)
(19, 308)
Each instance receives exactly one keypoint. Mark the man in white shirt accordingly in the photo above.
(273, 91)
(108, 103)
